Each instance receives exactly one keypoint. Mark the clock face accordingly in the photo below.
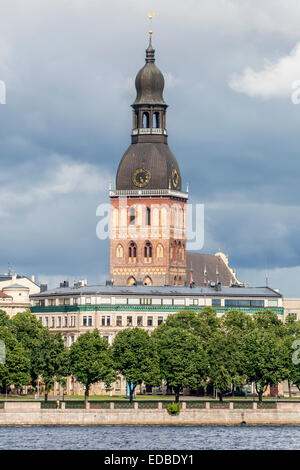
(175, 178)
(141, 177)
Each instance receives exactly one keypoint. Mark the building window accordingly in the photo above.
(139, 321)
(292, 314)
(156, 121)
(131, 281)
(178, 301)
(147, 281)
(120, 251)
(59, 322)
(119, 321)
(160, 320)
(65, 321)
(46, 321)
(149, 321)
(216, 302)
(132, 216)
(66, 301)
(272, 303)
(145, 121)
(105, 321)
(84, 321)
(145, 301)
(88, 300)
(148, 216)
(51, 302)
(132, 252)
(148, 252)
(75, 301)
(167, 301)
(52, 322)
(243, 303)
(90, 322)
(129, 321)
(159, 251)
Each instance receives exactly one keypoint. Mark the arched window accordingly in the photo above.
(120, 251)
(159, 251)
(132, 216)
(156, 120)
(131, 281)
(148, 251)
(132, 252)
(147, 281)
(145, 120)
(148, 216)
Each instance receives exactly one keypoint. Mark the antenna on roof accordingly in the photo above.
(9, 270)
(267, 280)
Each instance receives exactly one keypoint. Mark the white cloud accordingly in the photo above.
(28, 185)
(275, 80)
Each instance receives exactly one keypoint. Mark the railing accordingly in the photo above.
(153, 404)
(147, 192)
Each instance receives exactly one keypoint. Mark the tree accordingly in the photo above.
(265, 363)
(136, 358)
(91, 360)
(15, 370)
(4, 318)
(183, 362)
(292, 341)
(28, 330)
(52, 361)
(235, 325)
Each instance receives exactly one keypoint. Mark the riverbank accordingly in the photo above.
(31, 414)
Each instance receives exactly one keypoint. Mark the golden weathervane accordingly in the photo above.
(151, 16)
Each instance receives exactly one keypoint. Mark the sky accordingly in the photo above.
(232, 73)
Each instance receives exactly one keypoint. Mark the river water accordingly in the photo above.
(150, 437)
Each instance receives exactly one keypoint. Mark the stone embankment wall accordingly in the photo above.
(21, 414)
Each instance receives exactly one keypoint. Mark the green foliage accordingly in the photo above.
(183, 362)
(4, 318)
(173, 408)
(28, 330)
(16, 369)
(136, 358)
(265, 358)
(51, 359)
(91, 360)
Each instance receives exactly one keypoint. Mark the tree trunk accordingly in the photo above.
(46, 396)
(176, 390)
(86, 395)
(131, 393)
(221, 397)
(260, 395)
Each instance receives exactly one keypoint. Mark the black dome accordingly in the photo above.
(149, 82)
(156, 158)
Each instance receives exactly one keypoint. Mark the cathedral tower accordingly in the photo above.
(148, 239)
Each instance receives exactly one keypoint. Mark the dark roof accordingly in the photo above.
(156, 158)
(161, 291)
(149, 82)
(207, 268)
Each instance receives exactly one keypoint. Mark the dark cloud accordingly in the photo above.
(69, 69)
